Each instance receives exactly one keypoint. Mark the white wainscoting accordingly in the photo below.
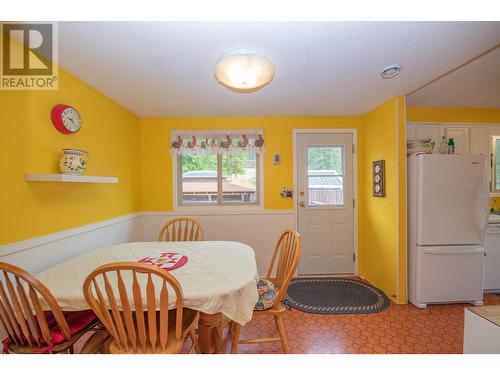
(258, 229)
(39, 253)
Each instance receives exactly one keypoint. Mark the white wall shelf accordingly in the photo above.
(54, 177)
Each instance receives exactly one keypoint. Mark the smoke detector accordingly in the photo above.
(390, 71)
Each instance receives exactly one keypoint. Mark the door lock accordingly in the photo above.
(301, 193)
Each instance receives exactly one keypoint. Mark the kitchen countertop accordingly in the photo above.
(490, 313)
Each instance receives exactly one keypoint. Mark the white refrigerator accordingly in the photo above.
(448, 210)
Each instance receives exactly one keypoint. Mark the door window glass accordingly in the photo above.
(325, 175)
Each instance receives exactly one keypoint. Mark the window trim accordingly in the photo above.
(220, 206)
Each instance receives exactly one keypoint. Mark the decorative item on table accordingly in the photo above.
(422, 146)
(73, 161)
(378, 178)
(167, 261)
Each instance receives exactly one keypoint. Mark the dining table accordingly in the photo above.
(219, 279)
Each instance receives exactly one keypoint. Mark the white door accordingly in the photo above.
(452, 200)
(325, 202)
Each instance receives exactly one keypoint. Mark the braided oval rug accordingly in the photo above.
(335, 296)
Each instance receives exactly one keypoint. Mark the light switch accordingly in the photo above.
(277, 159)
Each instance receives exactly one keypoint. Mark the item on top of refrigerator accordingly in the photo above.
(451, 146)
(421, 146)
(443, 146)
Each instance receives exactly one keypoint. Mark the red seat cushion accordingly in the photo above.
(77, 322)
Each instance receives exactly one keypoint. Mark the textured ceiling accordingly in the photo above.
(165, 69)
(475, 85)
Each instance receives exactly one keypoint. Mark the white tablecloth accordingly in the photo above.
(220, 276)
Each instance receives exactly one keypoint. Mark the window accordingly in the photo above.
(218, 179)
(495, 166)
(325, 174)
(199, 179)
(217, 167)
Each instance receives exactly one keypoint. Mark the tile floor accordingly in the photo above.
(399, 329)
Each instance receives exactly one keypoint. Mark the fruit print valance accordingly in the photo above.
(188, 142)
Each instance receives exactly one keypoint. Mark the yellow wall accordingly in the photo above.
(495, 203)
(156, 162)
(30, 143)
(465, 115)
(382, 221)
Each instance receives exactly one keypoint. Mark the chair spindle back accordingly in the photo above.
(182, 229)
(23, 305)
(135, 315)
(284, 262)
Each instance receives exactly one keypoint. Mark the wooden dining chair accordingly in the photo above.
(182, 229)
(283, 265)
(135, 329)
(33, 319)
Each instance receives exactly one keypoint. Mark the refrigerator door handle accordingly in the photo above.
(487, 205)
(454, 252)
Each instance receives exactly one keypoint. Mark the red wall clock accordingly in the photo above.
(66, 119)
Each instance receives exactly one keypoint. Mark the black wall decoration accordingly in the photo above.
(379, 178)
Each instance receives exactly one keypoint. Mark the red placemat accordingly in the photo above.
(167, 261)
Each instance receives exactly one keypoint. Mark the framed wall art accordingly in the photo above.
(378, 178)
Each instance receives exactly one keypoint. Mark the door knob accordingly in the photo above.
(301, 204)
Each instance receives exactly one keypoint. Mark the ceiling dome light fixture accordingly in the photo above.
(390, 71)
(244, 71)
